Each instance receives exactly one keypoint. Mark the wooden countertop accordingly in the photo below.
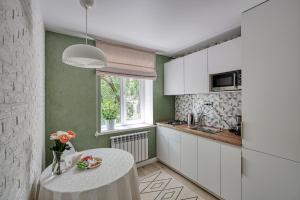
(224, 136)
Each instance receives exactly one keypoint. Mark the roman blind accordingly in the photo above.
(127, 62)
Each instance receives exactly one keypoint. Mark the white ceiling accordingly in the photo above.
(164, 26)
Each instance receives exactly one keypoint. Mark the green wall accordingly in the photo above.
(163, 106)
(71, 98)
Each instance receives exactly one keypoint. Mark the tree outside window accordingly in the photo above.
(126, 95)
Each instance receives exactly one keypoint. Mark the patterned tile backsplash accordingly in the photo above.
(227, 105)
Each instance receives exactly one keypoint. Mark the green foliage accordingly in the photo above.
(132, 99)
(111, 94)
(109, 109)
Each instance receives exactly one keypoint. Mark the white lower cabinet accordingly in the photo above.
(214, 165)
(209, 164)
(231, 174)
(168, 146)
(162, 144)
(174, 149)
(189, 155)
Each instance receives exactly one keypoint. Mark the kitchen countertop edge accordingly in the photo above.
(224, 136)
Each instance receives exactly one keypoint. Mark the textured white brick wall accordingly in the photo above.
(22, 97)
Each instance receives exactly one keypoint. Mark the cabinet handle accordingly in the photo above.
(241, 164)
(242, 129)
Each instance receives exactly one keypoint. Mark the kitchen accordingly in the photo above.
(158, 99)
(258, 159)
(200, 145)
(248, 154)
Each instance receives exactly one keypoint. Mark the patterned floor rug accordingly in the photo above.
(162, 186)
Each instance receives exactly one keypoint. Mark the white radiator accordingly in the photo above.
(135, 143)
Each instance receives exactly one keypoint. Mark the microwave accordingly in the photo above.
(228, 81)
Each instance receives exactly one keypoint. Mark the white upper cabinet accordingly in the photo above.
(231, 174)
(174, 77)
(225, 57)
(209, 164)
(195, 73)
(189, 155)
(190, 74)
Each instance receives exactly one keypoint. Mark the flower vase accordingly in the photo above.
(56, 167)
(110, 124)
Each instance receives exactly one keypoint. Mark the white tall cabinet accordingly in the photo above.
(271, 101)
(174, 77)
(225, 57)
(195, 73)
(271, 93)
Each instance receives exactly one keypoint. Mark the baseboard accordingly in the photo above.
(146, 162)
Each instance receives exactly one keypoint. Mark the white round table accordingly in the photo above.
(115, 179)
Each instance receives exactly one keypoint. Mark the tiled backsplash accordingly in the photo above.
(227, 104)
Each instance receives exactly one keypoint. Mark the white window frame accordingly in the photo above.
(125, 122)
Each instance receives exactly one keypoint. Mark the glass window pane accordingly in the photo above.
(132, 99)
(110, 98)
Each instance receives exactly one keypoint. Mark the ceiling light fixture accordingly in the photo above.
(84, 55)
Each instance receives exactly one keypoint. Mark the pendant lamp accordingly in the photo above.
(84, 55)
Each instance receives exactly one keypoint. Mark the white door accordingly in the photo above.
(231, 174)
(162, 144)
(189, 155)
(195, 72)
(174, 77)
(271, 83)
(174, 149)
(209, 164)
(267, 177)
(225, 57)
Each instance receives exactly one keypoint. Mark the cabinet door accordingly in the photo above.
(174, 77)
(189, 155)
(271, 69)
(174, 149)
(225, 57)
(268, 177)
(162, 144)
(195, 72)
(231, 175)
(209, 164)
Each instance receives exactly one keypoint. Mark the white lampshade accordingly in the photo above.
(84, 56)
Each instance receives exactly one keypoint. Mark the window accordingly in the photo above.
(125, 98)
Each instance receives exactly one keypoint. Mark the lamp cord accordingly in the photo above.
(86, 25)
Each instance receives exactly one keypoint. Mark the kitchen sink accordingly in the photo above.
(207, 129)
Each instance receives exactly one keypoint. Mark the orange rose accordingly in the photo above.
(71, 134)
(64, 139)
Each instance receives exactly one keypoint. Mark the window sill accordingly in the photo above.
(119, 129)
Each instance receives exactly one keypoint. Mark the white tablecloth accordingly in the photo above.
(115, 179)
